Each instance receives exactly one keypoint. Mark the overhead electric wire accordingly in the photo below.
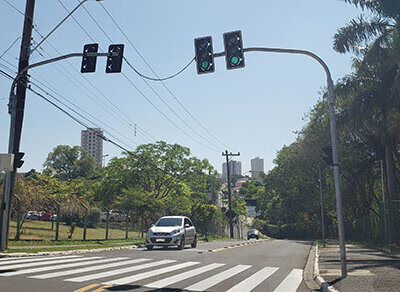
(98, 133)
(127, 119)
(1, 56)
(160, 79)
(165, 103)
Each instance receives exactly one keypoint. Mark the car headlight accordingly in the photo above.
(149, 232)
(175, 231)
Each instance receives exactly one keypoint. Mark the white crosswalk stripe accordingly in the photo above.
(126, 270)
(254, 280)
(119, 271)
(58, 267)
(12, 258)
(50, 262)
(291, 282)
(137, 277)
(33, 259)
(214, 280)
(88, 269)
(183, 276)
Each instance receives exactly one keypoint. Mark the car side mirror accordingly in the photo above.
(187, 225)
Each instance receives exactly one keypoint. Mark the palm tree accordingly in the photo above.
(375, 39)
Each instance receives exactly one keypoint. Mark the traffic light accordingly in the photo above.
(18, 162)
(234, 55)
(204, 55)
(114, 59)
(89, 62)
(328, 155)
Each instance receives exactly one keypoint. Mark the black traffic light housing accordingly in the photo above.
(234, 55)
(18, 162)
(204, 55)
(114, 59)
(89, 62)
(328, 155)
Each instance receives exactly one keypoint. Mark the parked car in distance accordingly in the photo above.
(253, 233)
(171, 231)
(46, 216)
(33, 215)
(114, 216)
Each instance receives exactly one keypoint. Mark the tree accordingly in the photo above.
(68, 163)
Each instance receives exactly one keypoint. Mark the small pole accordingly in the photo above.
(18, 235)
(322, 208)
(126, 226)
(107, 219)
(58, 219)
(85, 221)
(384, 203)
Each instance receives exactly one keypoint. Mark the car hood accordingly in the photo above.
(166, 229)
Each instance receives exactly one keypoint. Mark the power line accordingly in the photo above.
(158, 78)
(165, 103)
(126, 118)
(9, 47)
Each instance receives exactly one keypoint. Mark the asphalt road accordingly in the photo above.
(274, 265)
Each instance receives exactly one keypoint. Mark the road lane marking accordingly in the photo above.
(18, 266)
(214, 280)
(13, 258)
(253, 281)
(119, 271)
(291, 282)
(137, 277)
(88, 269)
(58, 267)
(183, 276)
(34, 259)
(87, 288)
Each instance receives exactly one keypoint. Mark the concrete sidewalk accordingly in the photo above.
(368, 269)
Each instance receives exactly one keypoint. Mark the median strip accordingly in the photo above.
(237, 245)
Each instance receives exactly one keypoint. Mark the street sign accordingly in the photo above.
(6, 162)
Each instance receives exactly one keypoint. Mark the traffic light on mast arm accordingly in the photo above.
(114, 59)
(234, 55)
(328, 155)
(89, 62)
(18, 162)
(204, 55)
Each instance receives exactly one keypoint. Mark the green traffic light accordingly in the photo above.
(205, 65)
(235, 60)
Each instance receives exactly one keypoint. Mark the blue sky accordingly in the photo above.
(254, 110)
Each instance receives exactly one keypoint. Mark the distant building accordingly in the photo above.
(92, 143)
(257, 167)
(235, 168)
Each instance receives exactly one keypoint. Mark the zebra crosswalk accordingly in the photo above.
(150, 273)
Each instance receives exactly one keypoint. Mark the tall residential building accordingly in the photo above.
(92, 143)
(257, 167)
(235, 168)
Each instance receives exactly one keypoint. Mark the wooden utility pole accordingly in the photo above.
(16, 110)
(226, 154)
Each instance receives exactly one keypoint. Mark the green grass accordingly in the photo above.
(33, 230)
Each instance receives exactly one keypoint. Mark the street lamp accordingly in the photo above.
(104, 159)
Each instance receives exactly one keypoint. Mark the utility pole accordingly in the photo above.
(226, 154)
(16, 110)
(322, 208)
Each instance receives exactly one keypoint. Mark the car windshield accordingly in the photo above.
(252, 230)
(169, 222)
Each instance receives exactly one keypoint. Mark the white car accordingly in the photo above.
(171, 231)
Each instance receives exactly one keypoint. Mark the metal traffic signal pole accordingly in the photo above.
(331, 99)
(16, 109)
(228, 178)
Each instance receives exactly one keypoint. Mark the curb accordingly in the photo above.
(237, 245)
(66, 252)
(317, 277)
